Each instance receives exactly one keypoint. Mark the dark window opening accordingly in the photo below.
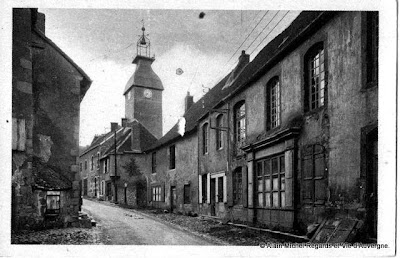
(218, 136)
(186, 194)
(205, 138)
(154, 162)
(237, 186)
(204, 188)
(220, 189)
(172, 157)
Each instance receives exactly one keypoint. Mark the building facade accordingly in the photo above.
(285, 141)
(47, 89)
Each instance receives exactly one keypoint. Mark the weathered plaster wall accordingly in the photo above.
(56, 107)
(185, 172)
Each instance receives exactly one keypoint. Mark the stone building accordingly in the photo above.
(121, 161)
(303, 121)
(47, 88)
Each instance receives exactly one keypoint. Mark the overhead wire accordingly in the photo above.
(270, 32)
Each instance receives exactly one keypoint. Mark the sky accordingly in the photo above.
(103, 43)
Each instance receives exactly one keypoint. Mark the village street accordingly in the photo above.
(123, 227)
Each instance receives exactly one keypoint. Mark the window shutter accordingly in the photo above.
(320, 182)
(200, 190)
(289, 178)
(244, 182)
(225, 190)
(208, 187)
(18, 134)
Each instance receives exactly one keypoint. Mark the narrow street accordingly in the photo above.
(123, 227)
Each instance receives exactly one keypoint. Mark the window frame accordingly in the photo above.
(321, 96)
(265, 173)
(106, 166)
(219, 123)
(273, 84)
(86, 164)
(205, 138)
(240, 125)
(312, 178)
(172, 156)
(156, 192)
(237, 186)
(58, 202)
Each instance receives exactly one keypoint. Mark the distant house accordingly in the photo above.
(47, 88)
(286, 141)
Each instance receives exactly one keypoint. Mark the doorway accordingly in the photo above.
(212, 196)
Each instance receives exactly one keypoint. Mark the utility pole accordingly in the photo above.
(115, 167)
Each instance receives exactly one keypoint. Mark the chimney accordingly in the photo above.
(188, 101)
(124, 122)
(38, 20)
(114, 126)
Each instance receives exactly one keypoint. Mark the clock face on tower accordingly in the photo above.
(147, 93)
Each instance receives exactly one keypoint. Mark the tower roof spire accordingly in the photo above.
(143, 44)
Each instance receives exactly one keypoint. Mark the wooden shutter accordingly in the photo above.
(225, 190)
(208, 187)
(289, 190)
(200, 190)
(244, 185)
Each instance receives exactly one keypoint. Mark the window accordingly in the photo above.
(271, 182)
(98, 160)
(85, 164)
(154, 162)
(80, 166)
(172, 157)
(53, 202)
(314, 174)
(103, 187)
(92, 163)
(240, 126)
(220, 189)
(273, 104)
(372, 48)
(105, 166)
(315, 82)
(218, 132)
(186, 194)
(205, 138)
(237, 186)
(204, 187)
(156, 194)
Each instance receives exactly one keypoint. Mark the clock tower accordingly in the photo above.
(143, 92)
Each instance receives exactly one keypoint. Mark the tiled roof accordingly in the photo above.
(305, 23)
(49, 177)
